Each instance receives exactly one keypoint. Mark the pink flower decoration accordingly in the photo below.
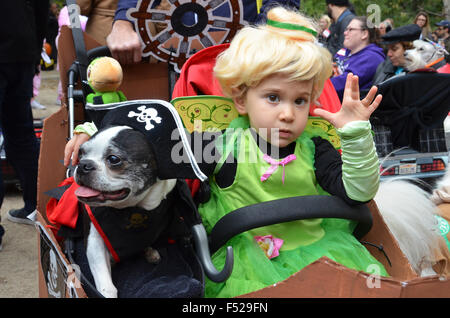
(270, 245)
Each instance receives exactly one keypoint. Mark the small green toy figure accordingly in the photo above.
(104, 75)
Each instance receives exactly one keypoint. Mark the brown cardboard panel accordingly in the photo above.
(380, 235)
(51, 169)
(444, 211)
(429, 287)
(326, 278)
(146, 81)
(43, 290)
(443, 254)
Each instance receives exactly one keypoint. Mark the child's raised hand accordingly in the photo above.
(72, 148)
(353, 108)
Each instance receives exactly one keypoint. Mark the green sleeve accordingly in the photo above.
(87, 128)
(360, 163)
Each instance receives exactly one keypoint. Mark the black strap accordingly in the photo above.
(186, 206)
(98, 100)
(87, 285)
(285, 210)
(58, 192)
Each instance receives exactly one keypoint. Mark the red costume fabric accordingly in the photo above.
(65, 210)
(444, 69)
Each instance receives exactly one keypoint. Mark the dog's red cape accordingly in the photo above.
(197, 78)
(65, 210)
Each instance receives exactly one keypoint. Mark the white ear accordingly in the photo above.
(439, 48)
(441, 51)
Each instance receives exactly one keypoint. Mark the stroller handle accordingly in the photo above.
(201, 243)
(98, 52)
(286, 210)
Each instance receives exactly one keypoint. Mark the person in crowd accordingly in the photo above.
(339, 11)
(324, 32)
(36, 87)
(434, 36)
(22, 33)
(446, 67)
(443, 32)
(361, 55)
(64, 19)
(423, 21)
(384, 27)
(100, 16)
(397, 41)
(124, 43)
(52, 30)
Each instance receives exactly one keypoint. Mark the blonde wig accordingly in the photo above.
(257, 52)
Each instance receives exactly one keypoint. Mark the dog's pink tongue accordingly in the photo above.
(86, 192)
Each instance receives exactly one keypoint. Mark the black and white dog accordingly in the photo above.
(117, 169)
(127, 182)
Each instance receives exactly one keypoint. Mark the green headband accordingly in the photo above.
(290, 26)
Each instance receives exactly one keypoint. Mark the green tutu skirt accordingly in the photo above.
(253, 270)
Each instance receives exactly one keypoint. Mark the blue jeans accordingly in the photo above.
(16, 120)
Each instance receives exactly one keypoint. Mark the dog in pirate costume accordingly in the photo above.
(131, 188)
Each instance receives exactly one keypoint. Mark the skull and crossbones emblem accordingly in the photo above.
(147, 115)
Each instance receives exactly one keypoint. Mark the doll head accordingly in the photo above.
(104, 74)
(258, 52)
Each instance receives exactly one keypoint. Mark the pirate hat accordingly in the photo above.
(406, 33)
(163, 128)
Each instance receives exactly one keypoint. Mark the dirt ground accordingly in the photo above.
(18, 258)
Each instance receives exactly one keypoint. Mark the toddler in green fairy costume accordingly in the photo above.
(273, 72)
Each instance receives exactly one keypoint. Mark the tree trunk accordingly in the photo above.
(446, 9)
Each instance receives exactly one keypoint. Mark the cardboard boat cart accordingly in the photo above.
(323, 278)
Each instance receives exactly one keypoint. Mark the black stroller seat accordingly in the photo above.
(413, 108)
